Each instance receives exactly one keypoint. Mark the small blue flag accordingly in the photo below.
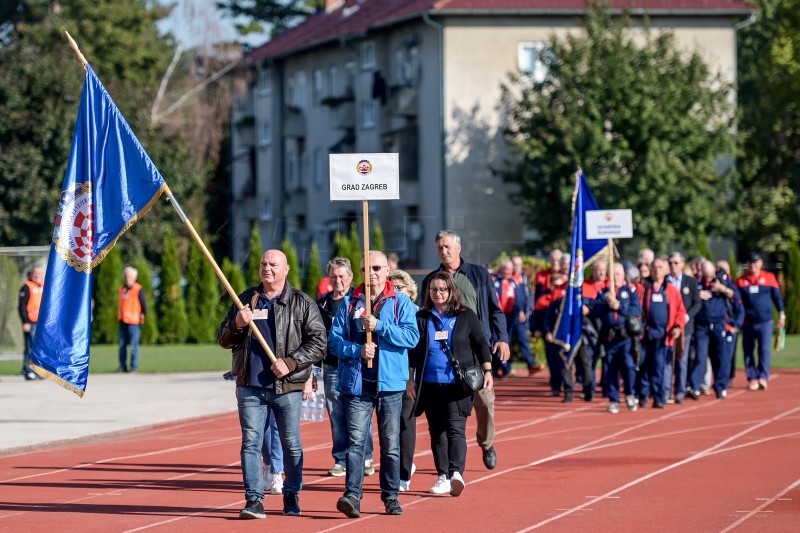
(584, 252)
(110, 182)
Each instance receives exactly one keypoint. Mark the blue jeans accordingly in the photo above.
(336, 415)
(763, 334)
(359, 412)
(129, 335)
(680, 372)
(253, 403)
(271, 451)
(26, 354)
(651, 370)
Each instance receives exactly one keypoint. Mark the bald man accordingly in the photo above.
(290, 322)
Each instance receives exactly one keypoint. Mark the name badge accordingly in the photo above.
(658, 298)
(260, 314)
(623, 295)
(753, 289)
(686, 290)
(440, 336)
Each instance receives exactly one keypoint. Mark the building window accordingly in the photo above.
(291, 168)
(291, 90)
(368, 114)
(333, 81)
(301, 86)
(399, 67)
(264, 133)
(264, 81)
(319, 166)
(319, 86)
(529, 60)
(266, 209)
(350, 69)
(368, 55)
(303, 169)
(412, 69)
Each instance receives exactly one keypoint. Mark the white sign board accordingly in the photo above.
(609, 224)
(365, 176)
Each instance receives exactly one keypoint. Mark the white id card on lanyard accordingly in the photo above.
(440, 336)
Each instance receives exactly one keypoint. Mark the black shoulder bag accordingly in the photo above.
(471, 379)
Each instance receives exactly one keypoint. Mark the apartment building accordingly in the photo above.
(421, 78)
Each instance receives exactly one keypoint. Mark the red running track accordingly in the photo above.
(710, 465)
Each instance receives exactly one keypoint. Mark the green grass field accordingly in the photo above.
(210, 357)
(159, 358)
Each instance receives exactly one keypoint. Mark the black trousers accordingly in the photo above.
(408, 437)
(447, 410)
(584, 359)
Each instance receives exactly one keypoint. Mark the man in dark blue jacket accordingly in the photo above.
(479, 295)
(759, 290)
(690, 294)
(710, 335)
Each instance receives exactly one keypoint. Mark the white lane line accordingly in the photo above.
(760, 508)
(699, 455)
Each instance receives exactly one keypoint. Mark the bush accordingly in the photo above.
(202, 298)
(145, 279)
(792, 289)
(253, 262)
(313, 272)
(172, 321)
(294, 265)
(107, 279)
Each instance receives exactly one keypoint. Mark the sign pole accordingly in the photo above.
(611, 289)
(367, 269)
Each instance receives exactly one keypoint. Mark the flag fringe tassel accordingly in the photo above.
(142, 212)
(46, 374)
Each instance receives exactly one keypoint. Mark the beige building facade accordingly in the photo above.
(425, 83)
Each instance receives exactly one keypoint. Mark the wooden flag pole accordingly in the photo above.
(235, 297)
(367, 269)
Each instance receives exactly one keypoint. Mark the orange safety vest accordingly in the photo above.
(130, 310)
(34, 301)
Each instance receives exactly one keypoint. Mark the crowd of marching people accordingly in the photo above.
(660, 329)
(388, 349)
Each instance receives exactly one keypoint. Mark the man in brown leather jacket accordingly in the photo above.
(290, 322)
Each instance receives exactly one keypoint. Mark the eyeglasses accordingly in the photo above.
(375, 268)
(400, 287)
(434, 290)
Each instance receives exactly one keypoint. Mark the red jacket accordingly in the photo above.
(675, 308)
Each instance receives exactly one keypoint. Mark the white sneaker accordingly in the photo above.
(456, 484)
(369, 467)
(405, 486)
(613, 408)
(442, 485)
(276, 483)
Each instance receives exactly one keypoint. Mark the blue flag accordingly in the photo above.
(584, 252)
(110, 182)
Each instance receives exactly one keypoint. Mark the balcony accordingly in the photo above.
(342, 111)
(403, 101)
(294, 122)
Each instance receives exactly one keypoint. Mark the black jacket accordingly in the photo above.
(325, 304)
(300, 337)
(491, 317)
(690, 293)
(469, 346)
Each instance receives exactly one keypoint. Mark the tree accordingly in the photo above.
(646, 123)
(145, 279)
(202, 298)
(107, 278)
(734, 263)
(275, 15)
(294, 275)
(233, 273)
(377, 241)
(793, 289)
(313, 272)
(252, 264)
(172, 321)
(769, 163)
(354, 251)
(703, 249)
(40, 85)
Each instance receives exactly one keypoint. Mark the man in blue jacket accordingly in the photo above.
(479, 294)
(373, 376)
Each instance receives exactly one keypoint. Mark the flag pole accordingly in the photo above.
(367, 270)
(612, 290)
(198, 240)
(235, 297)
